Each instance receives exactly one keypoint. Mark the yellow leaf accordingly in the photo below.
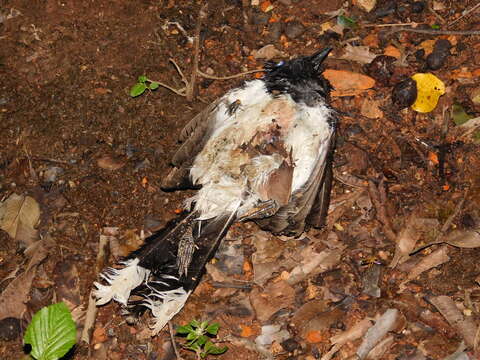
(429, 90)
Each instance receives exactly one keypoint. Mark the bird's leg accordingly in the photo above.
(186, 248)
(263, 210)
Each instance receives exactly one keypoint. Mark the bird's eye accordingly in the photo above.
(280, 63)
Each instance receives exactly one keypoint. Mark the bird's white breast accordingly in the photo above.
(228, 175)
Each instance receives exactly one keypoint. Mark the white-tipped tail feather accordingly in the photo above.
(164, 306)
(120, 282)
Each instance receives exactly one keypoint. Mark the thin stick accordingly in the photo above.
(172, 339)
(184, 79)
(467, 12)
(196, 55)
(392, 25)
(439, 32)
(207, 76)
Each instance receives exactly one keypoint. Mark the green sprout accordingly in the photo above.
(143, 84)
(198, 338)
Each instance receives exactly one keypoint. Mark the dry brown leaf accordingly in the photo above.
(360, 54)
(371, 109)
(438, 257)
(408, 237)
(276, 296)
(347, 83)
(268, 52)
(15, 295)
(314, 263)
(391, 50)
(110, 163)
(389, 321)
(463, 325)
(18, 216)
(367, 5)
(469, 239)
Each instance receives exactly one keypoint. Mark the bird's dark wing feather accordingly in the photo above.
(308, 204)
(193, 138)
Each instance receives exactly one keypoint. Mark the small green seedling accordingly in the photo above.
(51, 333)
(198, 338)
(143, 84)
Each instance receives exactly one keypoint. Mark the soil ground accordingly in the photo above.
(93, 157)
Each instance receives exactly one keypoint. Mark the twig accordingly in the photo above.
(392, 25)
(102, 256)
(378, 197)
(172, 339)
(190, 91)
(207, 76)
(184, 79)
(465, 13)
(438, 32)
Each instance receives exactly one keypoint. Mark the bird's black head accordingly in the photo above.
(301, 78)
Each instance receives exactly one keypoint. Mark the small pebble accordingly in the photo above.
(439, 55)
(9, 329)
(294, 29)
(381, 69)
(418, 6)
(404, 93)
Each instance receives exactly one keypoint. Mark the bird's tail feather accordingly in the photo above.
(153, 278)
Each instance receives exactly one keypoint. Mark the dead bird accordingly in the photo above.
(262, 152)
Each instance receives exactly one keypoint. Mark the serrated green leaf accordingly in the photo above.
(184, 329)
(51, 333)
(214, 350)
(191, 336)
(212, 329)
(153, 85)
(202, 340)
(142, 78)
(195, 323)
(138, 89)
(346, 22)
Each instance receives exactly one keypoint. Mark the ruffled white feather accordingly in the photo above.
(120, 282)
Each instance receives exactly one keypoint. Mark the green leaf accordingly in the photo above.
(435, 27)
(142, 78)
(214, 350)
(191, 336)
(195, 323)
(202, 340)
(138, 89)
(51, 333)
(154, 85)
(184, 329)
(459, 115)
(212, 329)
(346, 22)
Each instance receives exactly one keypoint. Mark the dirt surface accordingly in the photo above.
(93, 158)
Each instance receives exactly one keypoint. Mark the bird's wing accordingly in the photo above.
(309, 204)
(193, 138)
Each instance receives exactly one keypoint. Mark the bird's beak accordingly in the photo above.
(319, 57)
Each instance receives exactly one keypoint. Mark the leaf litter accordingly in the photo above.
(323, 273)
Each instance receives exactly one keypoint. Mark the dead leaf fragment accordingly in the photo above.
(18, 216)
(464, 239)
(111, 163)
(465, 326)
(15, 295)
(347, 83)
(389, 321)
(268, 52)
(371, 109)
(360, 54)
(367, 5)
(276, 296)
